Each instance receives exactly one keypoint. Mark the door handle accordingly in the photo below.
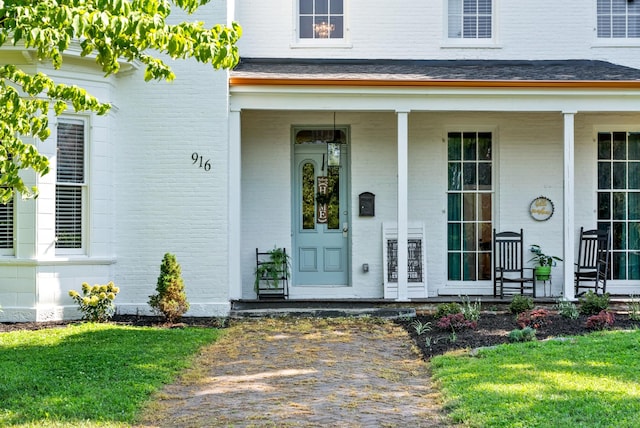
(345, 229)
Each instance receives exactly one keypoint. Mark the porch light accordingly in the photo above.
(333, 153)
(323, 30)
(333, 146)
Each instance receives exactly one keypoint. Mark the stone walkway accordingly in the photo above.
(303, 372)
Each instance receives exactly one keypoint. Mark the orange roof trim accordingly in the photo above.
(550, 84)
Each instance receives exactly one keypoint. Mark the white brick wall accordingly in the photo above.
(165, 203)
(145, 195)
(415, 29)
(34, 284)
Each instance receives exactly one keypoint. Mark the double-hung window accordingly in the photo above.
(469, 205)
(321, 19)
(70, 185)
(618, 19)
(619, 200)
(470, 19)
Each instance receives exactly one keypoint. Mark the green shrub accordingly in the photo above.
(444, 309)
(171, 299)
(592, 303)
(567, 309)
(96, 302)
(527, 334)
(520, 303)
(471, 311)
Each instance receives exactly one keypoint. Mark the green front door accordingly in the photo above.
(321, 217)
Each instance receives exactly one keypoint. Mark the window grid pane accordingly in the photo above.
(469, 207)
(321, 19)
(619, 200)
(618, 19)
(470, 19)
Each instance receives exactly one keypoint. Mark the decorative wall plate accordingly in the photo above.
(541, 208)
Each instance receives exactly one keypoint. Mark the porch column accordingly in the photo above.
(568, 202)
(403, 216)
(234, 186)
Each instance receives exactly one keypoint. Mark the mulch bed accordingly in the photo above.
(493, 328)
(133, 320)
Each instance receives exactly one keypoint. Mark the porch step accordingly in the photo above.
(247, 308)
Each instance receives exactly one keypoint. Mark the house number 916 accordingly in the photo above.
(206, 164)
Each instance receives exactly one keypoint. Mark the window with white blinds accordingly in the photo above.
(70, 183)
(470, 19)
(6, 228)
(618, 19)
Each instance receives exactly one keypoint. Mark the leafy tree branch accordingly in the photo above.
(114, 31)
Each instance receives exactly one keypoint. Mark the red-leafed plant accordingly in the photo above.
(534, 319)
(456, 322)
(604, 320)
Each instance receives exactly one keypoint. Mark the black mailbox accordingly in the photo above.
(367, 203)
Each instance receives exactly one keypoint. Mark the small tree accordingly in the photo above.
(171, 300)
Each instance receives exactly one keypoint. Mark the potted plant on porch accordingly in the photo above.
(544, 263)
(272, 272)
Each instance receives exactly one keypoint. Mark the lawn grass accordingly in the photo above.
(89, 374)
(588, 381)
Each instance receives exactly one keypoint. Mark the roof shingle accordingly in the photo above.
(434, 70)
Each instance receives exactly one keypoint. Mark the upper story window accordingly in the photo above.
(470, 19)
(70, 184)
(321, 19)
(618, 19)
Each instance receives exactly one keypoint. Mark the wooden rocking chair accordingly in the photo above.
(508, 265)
(592, 267)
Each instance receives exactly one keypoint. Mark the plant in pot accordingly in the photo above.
(274, 269)
(544, 263)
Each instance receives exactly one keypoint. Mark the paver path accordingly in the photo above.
(303, 372)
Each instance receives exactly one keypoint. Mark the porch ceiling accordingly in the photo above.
(584, 74)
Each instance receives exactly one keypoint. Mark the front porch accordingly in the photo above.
(541, 142)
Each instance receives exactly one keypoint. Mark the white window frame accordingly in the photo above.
(299, 42)
(9, 251)
(493, 192)
(470, 42)
(82, 185)
(616, 128)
